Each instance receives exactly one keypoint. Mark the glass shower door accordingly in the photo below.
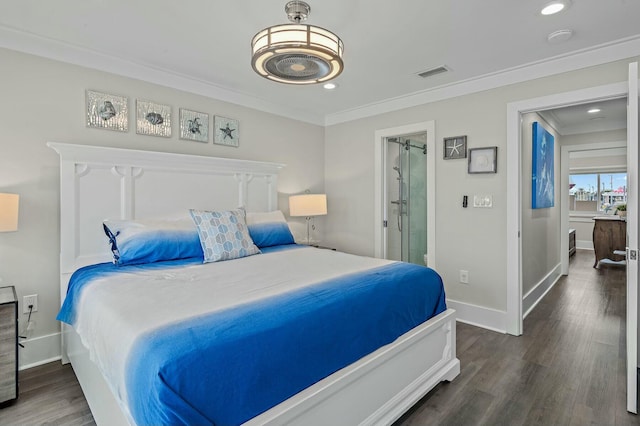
(407, 195)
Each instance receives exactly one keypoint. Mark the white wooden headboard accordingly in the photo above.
(98, 183)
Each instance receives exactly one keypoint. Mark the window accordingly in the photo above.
(597, 192)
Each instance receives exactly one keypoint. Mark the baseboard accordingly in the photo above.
(531, 299)
(491, 319)
(584, 244)
(39, 350)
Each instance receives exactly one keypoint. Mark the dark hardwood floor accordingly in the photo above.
(567, 369)
(49, 395)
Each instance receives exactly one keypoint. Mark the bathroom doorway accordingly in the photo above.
(407, 198)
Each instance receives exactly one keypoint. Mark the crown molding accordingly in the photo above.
(597, 55)
(21, 41)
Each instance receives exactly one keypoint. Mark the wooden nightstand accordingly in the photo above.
(8, 345)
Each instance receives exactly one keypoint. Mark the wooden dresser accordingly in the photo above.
(609, 235)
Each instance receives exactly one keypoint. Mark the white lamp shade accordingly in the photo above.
(9, 212)
(308, 205)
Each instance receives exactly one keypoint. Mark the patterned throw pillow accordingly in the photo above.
(223, 235)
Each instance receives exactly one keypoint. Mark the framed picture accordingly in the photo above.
(542, 173)
(455, 147)
(226, 131)
(153, 119)
(194, 125)
(483, 160)
(105, 111)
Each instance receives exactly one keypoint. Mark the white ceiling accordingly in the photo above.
(576, 119)
(204, 45)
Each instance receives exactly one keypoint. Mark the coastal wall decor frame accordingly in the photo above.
(454, 147)
(153, 119)
(106, 111)
(226, 131)
(194, 125)
(483, 160)
(542, 170)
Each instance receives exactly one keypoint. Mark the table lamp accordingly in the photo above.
(8, 212)
(308, 205)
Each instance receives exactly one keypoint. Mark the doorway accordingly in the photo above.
(420, 189)
(406, 190)
(514, 184)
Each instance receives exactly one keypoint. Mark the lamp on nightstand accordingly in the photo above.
(308, 205)
(9, 212)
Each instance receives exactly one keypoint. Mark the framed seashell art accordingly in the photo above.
(153, 119)
(194, 125)
(105, 111)
(226, 131)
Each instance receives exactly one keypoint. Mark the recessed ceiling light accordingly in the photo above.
(330, 86)
(554, 7)
(594, 110)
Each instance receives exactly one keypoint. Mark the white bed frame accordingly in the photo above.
(97, 183)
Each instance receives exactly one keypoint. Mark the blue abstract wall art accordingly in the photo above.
(542, 179)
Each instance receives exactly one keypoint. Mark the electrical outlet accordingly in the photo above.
(29, 300)
(464, 276)
(425, 259)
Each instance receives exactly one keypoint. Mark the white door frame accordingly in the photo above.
(632, 238)
(380, 176)
(514, 182)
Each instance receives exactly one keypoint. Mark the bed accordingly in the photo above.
(377, 387)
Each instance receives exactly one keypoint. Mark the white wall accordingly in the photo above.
(44, 100)
(471, 239)
(540, 227)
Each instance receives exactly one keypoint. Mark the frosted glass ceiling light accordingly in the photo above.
(554, 7)
(295, 53)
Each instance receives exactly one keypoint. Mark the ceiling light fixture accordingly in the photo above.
(594, 110)
(559, 36)
(554, 7)
(295, 53)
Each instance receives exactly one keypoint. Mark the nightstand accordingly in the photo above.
(8, 345)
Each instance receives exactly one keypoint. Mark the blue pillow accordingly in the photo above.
(223, 235)
(270, 234)
(145, 241)
(269, 229)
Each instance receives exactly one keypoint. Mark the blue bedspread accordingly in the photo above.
(226, 367)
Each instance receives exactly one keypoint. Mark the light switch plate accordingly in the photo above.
(483, 201)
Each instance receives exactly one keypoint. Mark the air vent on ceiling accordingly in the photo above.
(433, 71)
